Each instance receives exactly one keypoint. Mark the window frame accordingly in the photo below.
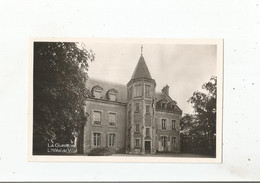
(139, 143)
(109, 113)
(130, 93)
(164, 142)
(93, 117)
(97, 142)
(97, 91)
(114, 140)
(110, 98)
(147, 113)
(149, 90)
(135, 87)
(137, 128)
(173, 124)
(147, 132)
(137, 104)
(173, 141)
(163, 105)
(164, 121)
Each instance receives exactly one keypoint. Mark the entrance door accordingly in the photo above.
(147, 147)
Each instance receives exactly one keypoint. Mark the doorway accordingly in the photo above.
(147, 146)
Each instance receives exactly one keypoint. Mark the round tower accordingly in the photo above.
(140, 132)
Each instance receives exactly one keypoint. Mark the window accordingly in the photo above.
(147, 131)
(137, 107)
(164, 141)
(137, 127)
(112, 97)
(137, 142)
(111, 119)
(174, 140)
(96, 139)
(130, 93)
(173, 125)
(97, 94)
(138, 91)
(164, 124)
(147, 91)
(97, 118)
(163, 105)
(147, 109)
(111, 139)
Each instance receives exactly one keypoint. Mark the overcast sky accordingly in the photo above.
(183, 67)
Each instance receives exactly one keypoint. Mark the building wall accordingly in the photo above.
(105, 108)
(168, 132)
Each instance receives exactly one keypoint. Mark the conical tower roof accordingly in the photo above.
(141, 70)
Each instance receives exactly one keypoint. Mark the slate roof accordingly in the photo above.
(159, 96)
(141, 70)
(106, 85)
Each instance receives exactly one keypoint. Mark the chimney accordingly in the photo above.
(165, 90)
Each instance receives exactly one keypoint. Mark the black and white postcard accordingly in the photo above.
(125, 100)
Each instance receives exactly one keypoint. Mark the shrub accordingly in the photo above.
(100, 151)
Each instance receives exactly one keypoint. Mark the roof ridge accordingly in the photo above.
(105, 81)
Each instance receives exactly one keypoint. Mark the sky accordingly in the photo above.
(185, 68)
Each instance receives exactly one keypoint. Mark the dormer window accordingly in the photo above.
(96, 91)
(163, 105)
(112, 97)
(97, 94)
(111, 94)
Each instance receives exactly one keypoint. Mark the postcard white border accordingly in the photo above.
(131, 159)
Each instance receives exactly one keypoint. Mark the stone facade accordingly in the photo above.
(134, 118)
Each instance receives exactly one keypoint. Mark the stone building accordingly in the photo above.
(132, 118)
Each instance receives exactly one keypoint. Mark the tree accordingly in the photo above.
(199, 130)
(59, 77)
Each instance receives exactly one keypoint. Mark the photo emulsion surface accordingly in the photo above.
(126, 98)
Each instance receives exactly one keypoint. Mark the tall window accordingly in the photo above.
(147, 131)
(111, 139)
(97, 118)
(112, 119)
(164, 124)
(147, 109)
(138, 91)
(173, 124)
(137, 142)
(147, 91)
(97, 139)
(164, 141)
(137, 127)
(137, 107)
